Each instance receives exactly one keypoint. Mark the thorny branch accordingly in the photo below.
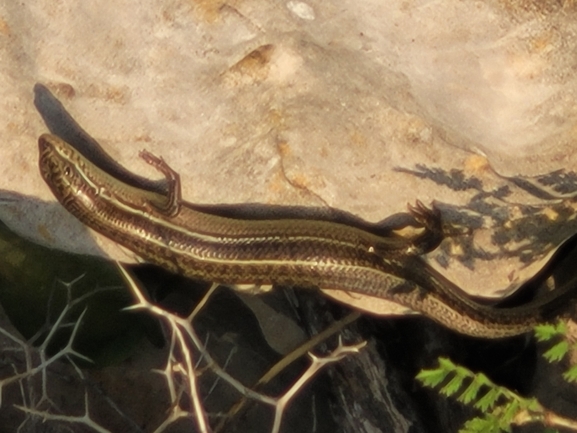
(180, 370)
(182, 327)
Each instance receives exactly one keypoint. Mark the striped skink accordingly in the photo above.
(308, 253)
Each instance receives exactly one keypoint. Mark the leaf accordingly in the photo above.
(571, 374)
(510, 410)
(432, 378)
(488, 424)
(455, 383)
(435, 376)
(472, 390)
(547, 331)
(533, 405)
(488, 400)
(447, 364)
(557, 352)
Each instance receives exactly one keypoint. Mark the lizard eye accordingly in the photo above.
(67, 171)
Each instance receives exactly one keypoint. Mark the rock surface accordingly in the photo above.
(360, 106)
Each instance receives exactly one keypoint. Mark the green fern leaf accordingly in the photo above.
(533, 405)
(557, 352)
(488, 424)
(447, 364)
(571, 374)
(472, 390)
(488, 401)
(435, 376)
(454, 385)
(547, 331)
(432, 378)
(510, 410)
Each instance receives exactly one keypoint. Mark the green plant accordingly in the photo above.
(501, 407)
(558, 331)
